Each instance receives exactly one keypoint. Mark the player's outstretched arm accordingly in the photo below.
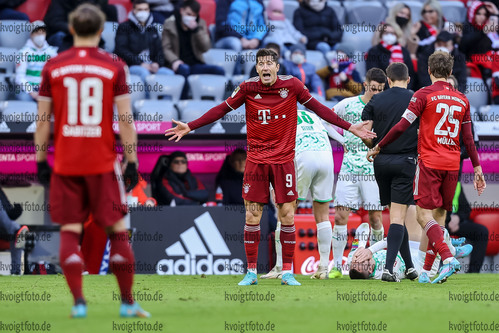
(42, 136)
(478, 180)
(178, 131)
(361, 130)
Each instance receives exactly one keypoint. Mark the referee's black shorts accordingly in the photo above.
(395, 177)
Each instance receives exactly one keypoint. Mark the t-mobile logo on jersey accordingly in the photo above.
(264, 115)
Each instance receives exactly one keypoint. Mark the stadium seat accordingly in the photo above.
(152, 107)
(193, 109)
(316, 58)
(170, 86)
(453, 11)
(355, 39)
(208, 9)
(289, 9)
(365, 12)
(14, 33)
(476, 91)
(338, 9)
(108, 35)
(489, 113)
(14, 109)
(238, 79)
(223, 58)
(122, 13)
(249, 60)
(7, 60)
(416, 7)
(207, 85)
(137, 88)
(35, 9)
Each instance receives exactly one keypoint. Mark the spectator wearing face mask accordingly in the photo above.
(301, 69)
(35, 53)
(139, 44)
(282, 68)
(444, 42)
(388, 51)
(283, 31)
(319, 24)
(400, 18)
(342, 78)
(180, 185)
(185, 39)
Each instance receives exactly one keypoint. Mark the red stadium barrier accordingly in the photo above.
(208, 8)
(35, 9)
(491, 221)
(125, 3)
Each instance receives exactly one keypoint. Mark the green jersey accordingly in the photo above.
(310, 133)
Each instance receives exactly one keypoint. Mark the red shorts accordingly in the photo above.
(258, 177)
(434, 188)
(73, 198)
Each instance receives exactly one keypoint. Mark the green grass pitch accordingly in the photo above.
(206, 304)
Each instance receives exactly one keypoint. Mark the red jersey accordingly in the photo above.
(442, 110)
(82, 84)
(271, 117)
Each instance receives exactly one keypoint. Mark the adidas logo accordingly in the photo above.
(291, 192)
(258, 96)
(203, 240)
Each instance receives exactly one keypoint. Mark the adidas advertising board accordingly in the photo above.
(198, 240)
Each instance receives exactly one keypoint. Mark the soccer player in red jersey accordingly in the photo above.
(79, 88)
(442, 110)
(271, 119)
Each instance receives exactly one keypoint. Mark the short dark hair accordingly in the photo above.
(397, 71)
(267, 53)
(192, 4)
(87, 20)
(139, 2)
(357, 275)
(273, 46)
(440, 64)
(375, 74)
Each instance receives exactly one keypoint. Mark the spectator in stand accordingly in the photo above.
(400, 18)
(240, 24)
(283, 31)
(56, 20)
(180, 185)
(138, 43)
(230, 177)
(319, 23)
(282, 67)
(185, 39)
(342, 78)
(444, 42)
(11, 231)
(301, 69)
(161, 9)
(389, 50)
(35, 53)
(7, 11)
(431, 24)
(479, 36)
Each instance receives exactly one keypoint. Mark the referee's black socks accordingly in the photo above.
(393, 242)
(405, 250)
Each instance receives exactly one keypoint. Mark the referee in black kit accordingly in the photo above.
(395, 166)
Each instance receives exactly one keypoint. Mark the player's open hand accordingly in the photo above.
(361, 255)
(479, 180)
(371, 153)
(361, 131)
(178, 131)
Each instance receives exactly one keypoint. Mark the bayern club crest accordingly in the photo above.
(246, 188)
(283, 92)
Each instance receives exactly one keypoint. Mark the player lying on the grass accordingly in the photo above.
(314, 173)
(370, 262)
(356, 186)
(271, 119)
(79, 87)
(441, 110)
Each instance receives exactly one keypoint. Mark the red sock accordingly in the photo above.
(72, 263)
(122, 263)
(436, 239)
(288, 241)
(251, 241)
(430, 257)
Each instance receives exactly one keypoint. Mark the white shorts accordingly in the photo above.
(315, 172)
(356, 191)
